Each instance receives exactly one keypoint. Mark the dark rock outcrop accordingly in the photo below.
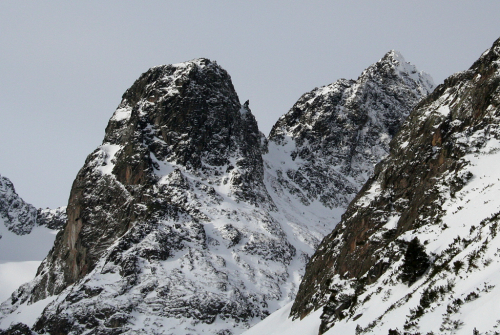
(17, 329)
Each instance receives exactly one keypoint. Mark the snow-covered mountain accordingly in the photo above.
(188, 220)
(18, 216)
(26, 236)
(417, 251)
(324, 149)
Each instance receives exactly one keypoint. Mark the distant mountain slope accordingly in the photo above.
(417, 251)
(26, 236)
(177, 223)
(18, 216)
(324, 149)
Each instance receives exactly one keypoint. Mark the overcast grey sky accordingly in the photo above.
(65, 64)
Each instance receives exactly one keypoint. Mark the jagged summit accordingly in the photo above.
(397, 63)
(18, 216)
(334, 135)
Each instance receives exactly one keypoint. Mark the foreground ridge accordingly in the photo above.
(417, 249)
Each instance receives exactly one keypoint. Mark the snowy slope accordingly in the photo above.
(440, 185)
(180, 222)
(457, 300)
(279, 323)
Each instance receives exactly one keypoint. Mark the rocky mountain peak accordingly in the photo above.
(336, 134)
(394, 64)
(187, 114)
(173, 202)
(19, 217)
(186, 106)
(182, 117)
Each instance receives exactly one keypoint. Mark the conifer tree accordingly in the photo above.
(416, 262)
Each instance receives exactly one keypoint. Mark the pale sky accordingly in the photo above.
(64, 65)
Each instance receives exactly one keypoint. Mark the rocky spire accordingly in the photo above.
(171, 210)
(334, 135)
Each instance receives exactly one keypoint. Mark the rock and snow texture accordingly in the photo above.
(324, 149)
(187, 220)
(18, 216)
(52, 218)
(438, 190)
(169, 222)
(26, 236)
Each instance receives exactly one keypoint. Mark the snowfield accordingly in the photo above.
(20, 256)
(468, 296)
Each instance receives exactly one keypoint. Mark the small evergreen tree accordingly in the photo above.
(416, 262)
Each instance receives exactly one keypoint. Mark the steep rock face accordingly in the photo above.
(170, 225)
(324, 149)
(186, 115)
(439, 185)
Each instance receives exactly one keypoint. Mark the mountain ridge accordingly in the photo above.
(438, 174)
(178, 219)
